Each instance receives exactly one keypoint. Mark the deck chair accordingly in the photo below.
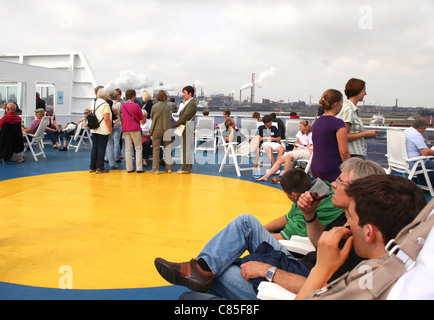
(292, 127)
(272, 291)
(249, 127)
(234, 151)
(205, 137)
(37, 139)
(307, 162)
(81, 137)
(398, 160)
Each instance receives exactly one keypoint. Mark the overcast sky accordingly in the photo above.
(297, 48)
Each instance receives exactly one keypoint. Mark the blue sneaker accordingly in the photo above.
(256, 174)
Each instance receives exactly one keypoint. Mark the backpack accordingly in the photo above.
(92, 120)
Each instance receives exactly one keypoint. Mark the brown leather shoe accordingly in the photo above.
(187, 274)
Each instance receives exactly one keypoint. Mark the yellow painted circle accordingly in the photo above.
(104, 231)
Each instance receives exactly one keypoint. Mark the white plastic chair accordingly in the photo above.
(205, 133)
(37, 139)
(234, 151)
(272, 291)
(81, 137)
(292, 127)
(398, 160)
(249, 127)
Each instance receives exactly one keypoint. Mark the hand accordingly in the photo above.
(329, 256)
(254, 270)
(371, 134)
(308, 205)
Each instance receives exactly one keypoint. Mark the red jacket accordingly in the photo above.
(10, 117)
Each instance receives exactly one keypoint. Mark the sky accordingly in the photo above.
(297, 49)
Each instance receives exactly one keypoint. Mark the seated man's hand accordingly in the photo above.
(308, 205)
(329, 256)
(254, 270)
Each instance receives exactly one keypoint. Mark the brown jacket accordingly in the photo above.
(161, 115)
(187, 114)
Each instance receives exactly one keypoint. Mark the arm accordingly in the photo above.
(187, 114)
(329, 259)
(365, 134)
(230, 137)
(309, 206)
(342, 139)
(56, 127)
(290, 281)
(108, 122)
(276, 225)
(427, 152)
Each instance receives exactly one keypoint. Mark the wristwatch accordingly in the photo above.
(270, 274)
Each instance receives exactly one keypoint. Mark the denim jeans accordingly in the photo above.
(244, 233)
(113, 146)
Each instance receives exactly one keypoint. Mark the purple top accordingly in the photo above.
(34, 126)
(129, 110)
(326, 157)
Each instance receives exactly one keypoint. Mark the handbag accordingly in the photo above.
(373, 279)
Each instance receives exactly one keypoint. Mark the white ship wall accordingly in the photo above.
(70, 74)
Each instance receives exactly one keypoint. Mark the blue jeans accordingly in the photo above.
(114, 146)
(244, 233)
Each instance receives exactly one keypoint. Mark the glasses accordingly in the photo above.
(339, 180)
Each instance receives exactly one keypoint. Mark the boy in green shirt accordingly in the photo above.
(294, 183)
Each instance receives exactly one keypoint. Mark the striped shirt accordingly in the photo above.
(350, 114)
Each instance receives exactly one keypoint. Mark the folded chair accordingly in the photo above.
(234, 151)
(81, 137)
(36, 139)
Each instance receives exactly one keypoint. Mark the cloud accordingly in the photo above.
(130, 80)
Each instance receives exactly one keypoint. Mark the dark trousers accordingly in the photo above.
(98, 151)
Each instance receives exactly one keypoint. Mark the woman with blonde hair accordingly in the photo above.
(302, 151)
(147, 102)
(329, 136)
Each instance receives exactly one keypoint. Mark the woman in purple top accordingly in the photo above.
(329, 138)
